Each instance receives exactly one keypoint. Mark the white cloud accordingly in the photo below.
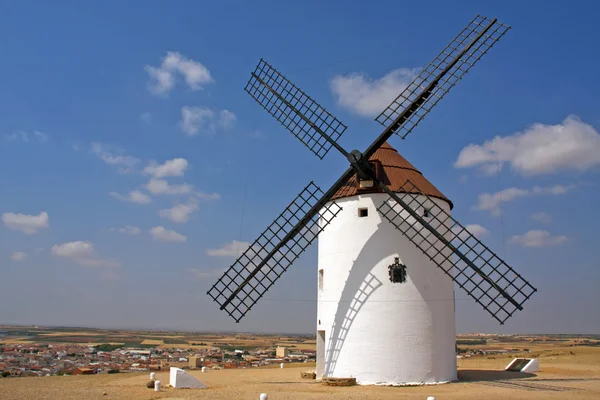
(28, 224)
(166, 235)
(174, 167)
(18, 256)
(35, 136)
(82, 252)
(77, 249)
(542, 217)
(115, 157)
(163, 78)
(233, 249)
(146, 117)
(475, 230)
(540, 149)
(202, 274)
(181, 212)
(226, 119)
(492, 201)
(161, 186)
(196, 119)
(127, 230)
(538, 238)
(368, 97)
(135, 196)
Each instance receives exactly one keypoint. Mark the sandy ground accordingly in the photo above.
(561, 377)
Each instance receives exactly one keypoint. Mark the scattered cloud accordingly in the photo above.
(174, 167)
(82, 253)
(115, 157)
(368, 97)
(493, 201)
(146, 117)
(127, 230)
(542, 217)
(226, 119)
(165, 235)
(540, 149)
(28, 224)
(135, 196)
(233, 249)
(475, 230)
(163, 78)
(35, 136)
(161, 186)
(196, 119)
(538, 238)
(18, 256)
(180, 213)
(203, 274)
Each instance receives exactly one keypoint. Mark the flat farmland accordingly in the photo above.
(562, 376)
(145, 339)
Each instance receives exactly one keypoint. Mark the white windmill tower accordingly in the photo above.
(368, 327)
(389, 250)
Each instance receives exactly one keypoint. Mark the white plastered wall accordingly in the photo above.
(377, 331)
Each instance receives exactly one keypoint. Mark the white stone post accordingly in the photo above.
(157, 386)
(264, 396)
(281, 365)
(203, 369)
(152, 375)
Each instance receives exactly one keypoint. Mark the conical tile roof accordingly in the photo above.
(396, 171)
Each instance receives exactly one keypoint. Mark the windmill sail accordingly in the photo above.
(294, 109)
(493, 284)
(432, 84)
(263, 263)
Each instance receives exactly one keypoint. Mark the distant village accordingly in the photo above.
(58, 359)
(45, 359)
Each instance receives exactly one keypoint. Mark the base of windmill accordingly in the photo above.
(332, 381)
(180, 379)
(327, 381)
(528, 365)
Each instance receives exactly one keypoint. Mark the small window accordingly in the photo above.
(363, 212)
(320, 279)
(426, 213)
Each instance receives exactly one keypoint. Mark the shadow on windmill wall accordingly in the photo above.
(361, 284)
(343, 320)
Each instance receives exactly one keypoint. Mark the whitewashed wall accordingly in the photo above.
(377, 331)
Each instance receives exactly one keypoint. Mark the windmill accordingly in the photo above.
(391, 250)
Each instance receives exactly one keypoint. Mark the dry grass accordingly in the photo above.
(153, 342)
(62, 333)
(562, 376)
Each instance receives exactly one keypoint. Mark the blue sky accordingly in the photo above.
(132, 159)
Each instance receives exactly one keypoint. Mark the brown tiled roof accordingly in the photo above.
(396, 170)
